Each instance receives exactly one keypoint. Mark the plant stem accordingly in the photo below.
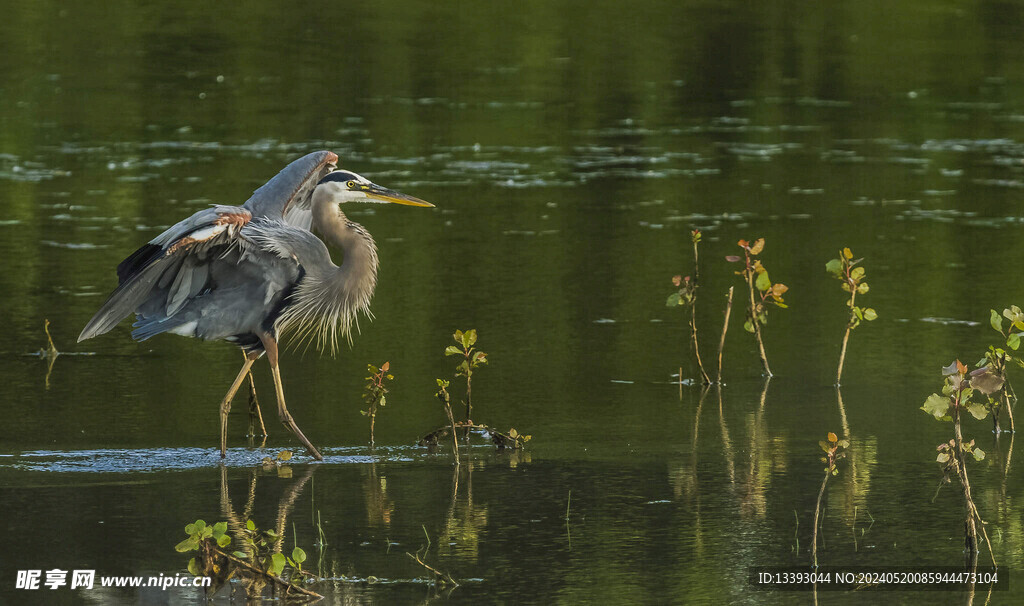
(705, 380)
(51, 349)
(1008, 394)
(469, 395)
(373, 417)
(725, 328)
(451, 420)
(846, 337)
(817, 510)
(753, 317)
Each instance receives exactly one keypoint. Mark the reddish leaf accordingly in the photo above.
(743, 243)
(732, 258)
(832, 437)
(676, 280)
(386, 366)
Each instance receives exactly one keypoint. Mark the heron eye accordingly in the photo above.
(351, 184)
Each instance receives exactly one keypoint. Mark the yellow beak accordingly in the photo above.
(395, 197)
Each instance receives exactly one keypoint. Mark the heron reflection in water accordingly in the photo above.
(249, 274)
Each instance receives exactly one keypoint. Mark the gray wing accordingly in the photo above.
(287, 197)
(173, 268)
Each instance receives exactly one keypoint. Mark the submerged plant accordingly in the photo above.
(958, 388)
(687, 297)
(846, 271)
(834, 450)
(374, 392)
(473, 358)
(761, 293)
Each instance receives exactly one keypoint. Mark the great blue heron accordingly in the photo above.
(248, 274)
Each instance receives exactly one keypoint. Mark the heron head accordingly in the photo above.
(345, 186)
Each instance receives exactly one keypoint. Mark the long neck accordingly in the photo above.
(351, 284)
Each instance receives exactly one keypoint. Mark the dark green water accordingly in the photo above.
(569, 147)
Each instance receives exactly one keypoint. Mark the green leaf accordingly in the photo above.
(977, 410)
(219, 528)
(870, 314)
(834, 267)
(193, 567)
(382, 400)
(673, 300)
(223, 540)
(190, 529)
(943, 457)
(187, 545)
(200, 525)
(452, 350)
(469, 338)
(299, 555)
(757, 247)
(937, 406)
(763, 283)
(1013, 341)
(857, 273)
(250, 525)
(847, 253)
(284, 455)
(277, 564)
(996, 321)
(862, 288)
(824, 445)
(979, 454)
(241, 555)
(986, 381)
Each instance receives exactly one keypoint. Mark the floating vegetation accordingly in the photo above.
(844, 269)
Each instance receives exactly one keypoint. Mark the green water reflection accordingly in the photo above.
(570, 147)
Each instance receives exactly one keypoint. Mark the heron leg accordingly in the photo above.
(254, 410)
(270, 344)
(225, 405)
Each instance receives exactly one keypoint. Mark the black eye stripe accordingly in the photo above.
(338, 175)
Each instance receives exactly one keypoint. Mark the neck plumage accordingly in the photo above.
(336, 294)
